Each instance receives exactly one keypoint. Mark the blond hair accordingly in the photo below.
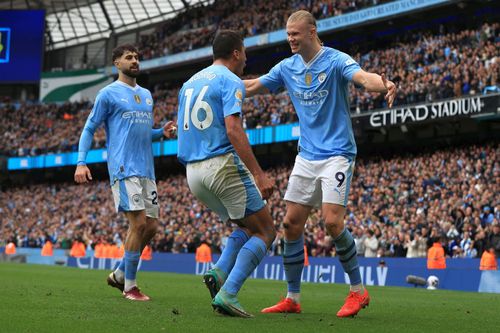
(305, 16)
(302, 15)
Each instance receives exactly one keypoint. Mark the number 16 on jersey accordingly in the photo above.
(194, 113)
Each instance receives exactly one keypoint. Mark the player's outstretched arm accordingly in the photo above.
(376, 83)
(239, 140)
(254, 87)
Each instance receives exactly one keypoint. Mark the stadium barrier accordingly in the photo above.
(461, 274)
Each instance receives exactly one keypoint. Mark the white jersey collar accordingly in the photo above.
(128, 86)
(311, 62)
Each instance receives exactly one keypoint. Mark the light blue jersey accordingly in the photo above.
(204, 101)
(127, 114)
(319, 93)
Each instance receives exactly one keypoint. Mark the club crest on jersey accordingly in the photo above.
(309, 79)
(322, 77)
(137, 99)
(238, 94)
(149, 102)
(136, 198)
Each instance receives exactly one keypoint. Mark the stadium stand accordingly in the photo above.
(452, 195)
(429, 67)
(195, 28)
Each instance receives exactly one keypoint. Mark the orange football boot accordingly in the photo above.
(286, 305)
(354, 302)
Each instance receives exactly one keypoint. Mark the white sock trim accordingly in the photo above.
(358, 288)
(119, 275)
(129, 284)
(294, 296)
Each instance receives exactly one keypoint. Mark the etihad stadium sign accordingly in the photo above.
(482, 105)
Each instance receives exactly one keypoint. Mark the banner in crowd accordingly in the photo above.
(461, 274)
(72, 86)
(471, 106)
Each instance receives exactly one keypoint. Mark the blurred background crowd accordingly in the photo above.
(397, 207)
(427, 68)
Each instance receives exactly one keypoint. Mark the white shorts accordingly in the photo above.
(136, 193)
(315, 182)
(225, 185)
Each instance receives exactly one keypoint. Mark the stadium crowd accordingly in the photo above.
(196, 27)
(428, 68)
(397, 207)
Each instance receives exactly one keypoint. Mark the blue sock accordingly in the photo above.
(249, 257)
(228, 257)
(121, 267)
(131, 262)
(346, 250)
(293, 262)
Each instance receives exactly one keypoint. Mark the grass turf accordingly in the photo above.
(35, 298)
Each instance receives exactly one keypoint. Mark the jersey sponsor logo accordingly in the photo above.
(350, 61)
(139, 117)
(322, 77)
(238, 94)
(149, 101)
(136, 114)
(311, 97)
(137, 99)
(309, 78)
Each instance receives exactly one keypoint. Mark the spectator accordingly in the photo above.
(435, 65)
(488, 260)
(371, 244)
(385, 197)
(435, 255)
(494, 239)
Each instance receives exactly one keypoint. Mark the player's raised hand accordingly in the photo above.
(82, 174)
(265, 185)
(391, 90)
(169, 130)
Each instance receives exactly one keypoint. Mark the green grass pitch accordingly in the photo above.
(35, 298)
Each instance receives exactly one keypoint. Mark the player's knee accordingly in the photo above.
(138, 227)
(288, 224)
(152, 227)
(267, 232)
(334, 227)
(268, 236)
(292, 228)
